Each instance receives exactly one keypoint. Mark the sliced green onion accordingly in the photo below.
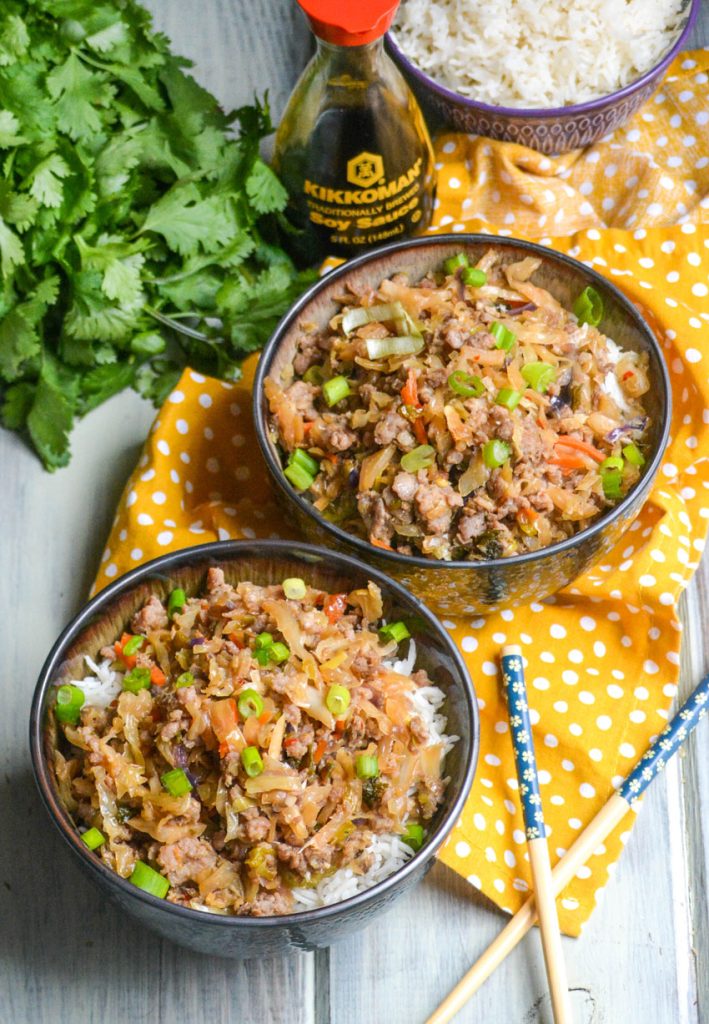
(185, 679)
(589, 307)
(419, 458)
(335, 390)
(453, 262)
(404, 345)
(149, 880)
(367, 766)
(314, 375)
(252, 762)
(278, 652)
(301, 480)
(93, 838)
(338, 700)
(414, 835)
(176, 602)
(249, 703)
(362, 315)
(466, 384)
(299, 457)
(263, 641)
(496, 453)
(633, 454)
(539, 376)
(397, 631)
(70, 700)
(136, 680)
(133, 645)
(294, 588)
(613, 462)
(509, 398)
(474, 277)
(504, 337)
(612, 480)
(261, 657)
(176, 782)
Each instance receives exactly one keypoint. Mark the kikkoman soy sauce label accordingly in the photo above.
(371, 206)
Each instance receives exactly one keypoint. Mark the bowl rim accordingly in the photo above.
(214, 552)
(363, 547)
(543, 113)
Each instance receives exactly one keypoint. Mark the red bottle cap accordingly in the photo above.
(349, 22)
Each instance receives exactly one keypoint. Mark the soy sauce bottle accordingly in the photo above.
(352, 148)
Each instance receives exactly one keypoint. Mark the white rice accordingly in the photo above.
(390, 852)
(610, 381)
(536, 53)
(103, 686)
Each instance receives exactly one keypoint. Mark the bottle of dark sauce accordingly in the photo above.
(352, 148)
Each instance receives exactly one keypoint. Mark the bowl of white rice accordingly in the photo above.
(551, 74)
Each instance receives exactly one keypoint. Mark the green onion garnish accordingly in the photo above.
(397, 631)
(263, 641)
(509, 398)
(611, 471)
(70, 700)
(589, 307)
(93, 838)
(278, 652)
(149, 880)
(249, 703)
(301, 480)
(539, 376)
(466, 384)
(314, 375)
(453, 262)
(176, 782)
(301, 469)
(176, 602)
(299, 457)
(133, 645)
(504, 337)
(338, 700)
(185, 679)
(335, 390)
(367, 766)
(137, 679)
(252, 762)
(474, 277)
(496, 453)
(633, 454)
(414, 835)
(294, 588)
(420, 458)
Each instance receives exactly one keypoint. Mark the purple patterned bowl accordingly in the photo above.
(549, 130)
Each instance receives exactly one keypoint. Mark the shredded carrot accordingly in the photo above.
(340, 726)
(380, 544)
(334, 606)
(331, 457)
(628, 373)
(580, 446)
(530, 514)
(157, 676)
(265, 717)
(308, 426)
(319, 751)
(568, 462)
(409, 392)
(223, 748)
(129, 660)
(420, 430)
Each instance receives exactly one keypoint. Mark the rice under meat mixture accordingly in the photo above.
(255, 750)
(467, 415)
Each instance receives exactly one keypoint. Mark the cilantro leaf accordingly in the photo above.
(50, 418)
(9, 130)
(46, 181)
(264, 189)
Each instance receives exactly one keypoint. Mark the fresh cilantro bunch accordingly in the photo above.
(127, 208)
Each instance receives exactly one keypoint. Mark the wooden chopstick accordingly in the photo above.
(535, 830)
(608, 818)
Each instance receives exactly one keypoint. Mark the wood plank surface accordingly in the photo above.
(68, 958)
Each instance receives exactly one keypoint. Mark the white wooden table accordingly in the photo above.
(66, 957)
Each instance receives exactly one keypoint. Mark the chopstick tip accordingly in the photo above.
(510, 649)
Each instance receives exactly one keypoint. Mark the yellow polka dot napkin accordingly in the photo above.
(602, 657)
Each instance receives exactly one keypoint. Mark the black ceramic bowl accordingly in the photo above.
(547, 129)
(460, 587)
(261, 562)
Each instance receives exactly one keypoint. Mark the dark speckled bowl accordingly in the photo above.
(460, 588)
(549, 130)
(261, 562)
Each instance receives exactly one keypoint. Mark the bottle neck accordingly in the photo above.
(353, 61)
